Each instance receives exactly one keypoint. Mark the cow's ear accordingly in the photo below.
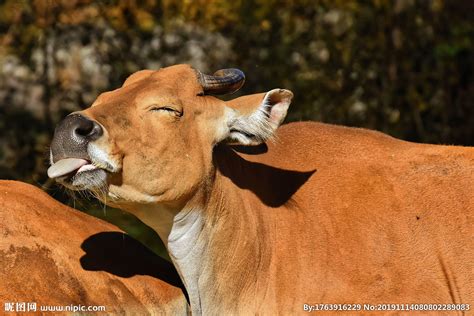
(253, 119)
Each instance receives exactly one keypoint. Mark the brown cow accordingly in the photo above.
(319, 214)
(42, 261)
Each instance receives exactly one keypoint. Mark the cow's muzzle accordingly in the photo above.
(69, 148)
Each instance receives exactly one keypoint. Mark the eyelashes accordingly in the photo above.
(167, 109)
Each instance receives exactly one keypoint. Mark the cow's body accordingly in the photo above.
(372, 220)
(323, 214)
(54, 256)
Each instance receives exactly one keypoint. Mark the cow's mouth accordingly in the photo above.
(78, 174)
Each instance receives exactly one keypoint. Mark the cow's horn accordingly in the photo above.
(224, 81)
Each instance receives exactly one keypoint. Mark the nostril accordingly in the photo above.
(86, 128)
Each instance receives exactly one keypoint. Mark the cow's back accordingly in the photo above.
(375, 219)
(51, 254)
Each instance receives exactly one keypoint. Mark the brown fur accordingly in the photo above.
(379, 220)
(321, 214)
(42, 260)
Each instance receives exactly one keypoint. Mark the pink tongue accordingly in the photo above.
(65, 166)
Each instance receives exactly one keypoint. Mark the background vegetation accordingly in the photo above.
(404, 67)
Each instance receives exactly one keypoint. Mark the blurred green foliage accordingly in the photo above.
(404, 67)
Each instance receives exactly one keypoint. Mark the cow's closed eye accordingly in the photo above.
(167, 109)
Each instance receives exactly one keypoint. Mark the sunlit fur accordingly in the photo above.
(54, 255)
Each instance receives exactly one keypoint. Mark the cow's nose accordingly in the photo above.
(72, 135)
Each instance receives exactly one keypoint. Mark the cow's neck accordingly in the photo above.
(182, 231)
(218, 246)
(212, 243)
(187, 244)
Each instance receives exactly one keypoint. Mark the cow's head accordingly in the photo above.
(152, 139)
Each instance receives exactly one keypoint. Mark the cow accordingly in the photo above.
(263, 219)
(54, 257)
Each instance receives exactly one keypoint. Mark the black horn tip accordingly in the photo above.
(230, 72)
